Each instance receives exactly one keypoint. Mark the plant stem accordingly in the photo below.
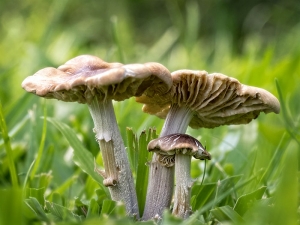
(117, 175)
(183, 186)
(161, 178)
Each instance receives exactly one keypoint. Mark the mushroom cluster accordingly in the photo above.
(184, 98)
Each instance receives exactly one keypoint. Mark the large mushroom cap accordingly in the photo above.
(178, 144)
(84, 77)
(215, 99)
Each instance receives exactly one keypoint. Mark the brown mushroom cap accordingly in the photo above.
(84, 77)
(178, 144)
(215, 99)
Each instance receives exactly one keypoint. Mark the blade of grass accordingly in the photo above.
(277, 154)
(42, 145)
(142, 172)
(226, 213)
(16, 129)
(290, 126)
(116, 38)
(244, 202)
(8, 148)
(82, 157)
(225, 194)
(131, 150)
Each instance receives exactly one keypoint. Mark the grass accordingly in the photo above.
(47, 148)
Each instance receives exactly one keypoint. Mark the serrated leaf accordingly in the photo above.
(226, 213)
(36, 207)
(244, 202)
(82, 157)
(60, 213)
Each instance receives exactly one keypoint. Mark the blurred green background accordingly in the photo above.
(256, 42)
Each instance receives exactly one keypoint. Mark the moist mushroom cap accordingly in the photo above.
(84, 77)
(215, 99)
(178, 144)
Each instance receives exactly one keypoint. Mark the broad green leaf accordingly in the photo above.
(82, 157)
(244, 202)
(226, 213)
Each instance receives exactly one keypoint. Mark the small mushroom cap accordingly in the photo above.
(85, 77)
(215, 99)
(178, 144)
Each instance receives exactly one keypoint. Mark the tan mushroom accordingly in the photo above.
(179, 148)
(88, 79)
(198, 99)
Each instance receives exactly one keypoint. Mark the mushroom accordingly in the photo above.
(199, 100)
(179, 148)
(90, 80)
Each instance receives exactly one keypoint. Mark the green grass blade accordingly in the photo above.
(225, 194)
(93, 210)
(82, 157)
(8, 148)
(16, 129)
(142, 172)
(226, 213)
(245, 201)
(108, 207)
(290, 126)
(11, 208)
(42, 145)
(116, 38)
(131, 149)
(201, 194)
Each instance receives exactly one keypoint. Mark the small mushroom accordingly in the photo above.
(199, 100)
(179, 148)
(90, 80)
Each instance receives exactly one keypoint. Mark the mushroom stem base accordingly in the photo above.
(183, 186)
(161, 178)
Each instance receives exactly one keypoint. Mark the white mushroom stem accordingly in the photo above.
(161, 178)
(117, 175)
(183, 186)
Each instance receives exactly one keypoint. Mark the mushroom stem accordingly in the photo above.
(183, 186)
(161, 178)
(118, 176)
(177, 120)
